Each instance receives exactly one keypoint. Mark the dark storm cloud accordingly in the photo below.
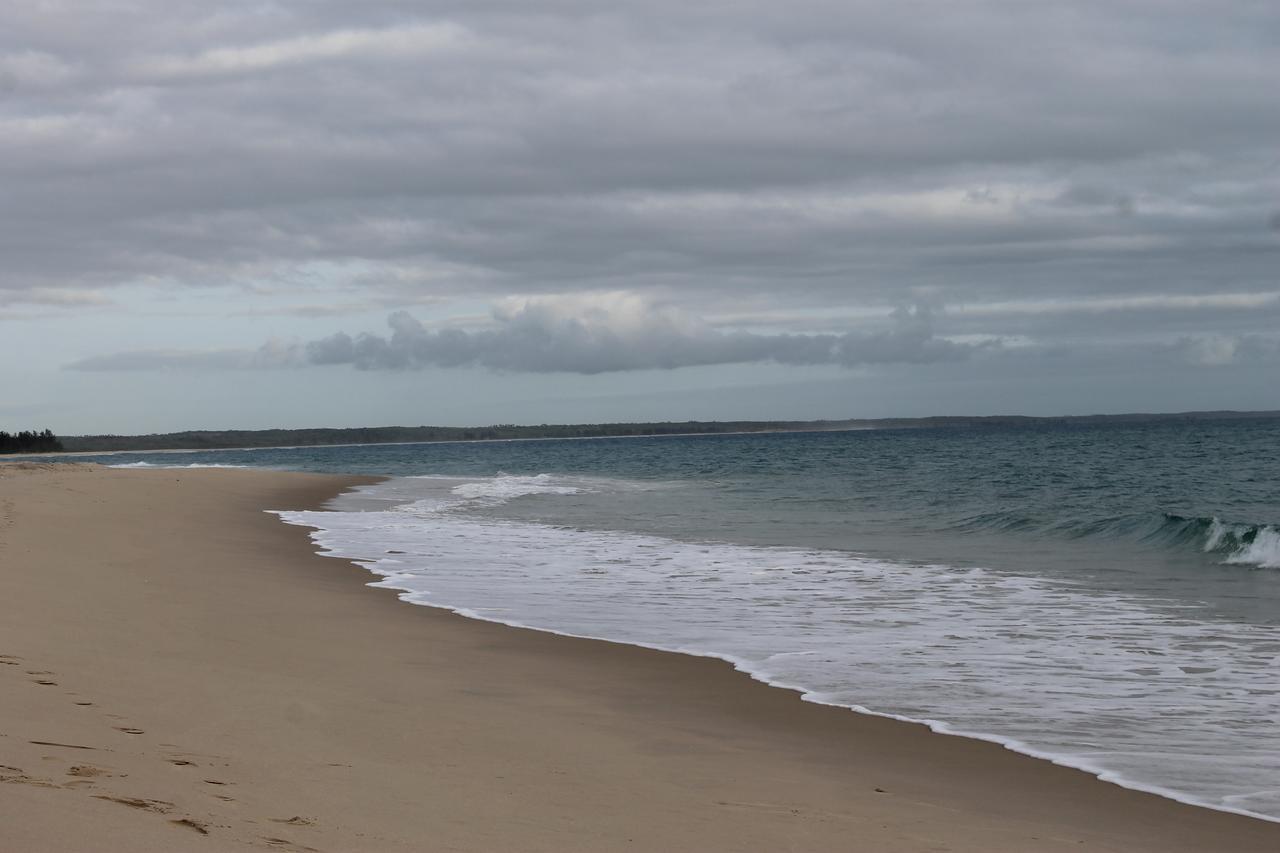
(817, 154)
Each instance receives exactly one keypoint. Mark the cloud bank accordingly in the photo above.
(1090, 189)
(621, 333)
(602, 333)
(837, 153)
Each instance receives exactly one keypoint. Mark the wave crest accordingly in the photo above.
(1237, 543)
(1245, 544)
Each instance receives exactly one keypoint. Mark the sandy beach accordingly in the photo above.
(180, 671)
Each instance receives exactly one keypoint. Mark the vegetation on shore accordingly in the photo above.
(214, 439)
(29, 441)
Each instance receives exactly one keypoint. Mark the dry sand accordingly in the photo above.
(178, 671)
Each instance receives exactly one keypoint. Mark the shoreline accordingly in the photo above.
(253, 649)
(939, 723)
(936, 727)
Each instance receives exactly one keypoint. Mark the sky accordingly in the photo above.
(293, 214)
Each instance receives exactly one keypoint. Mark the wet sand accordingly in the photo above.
(179, 671)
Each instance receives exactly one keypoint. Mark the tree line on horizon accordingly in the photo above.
(29, 441)
(220, 439)
(214, 439)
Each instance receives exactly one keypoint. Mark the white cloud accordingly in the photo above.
(1216, 350)
(574, 333)
(53, 297)
(1106, 304)
(415, 40)
(1210, 350)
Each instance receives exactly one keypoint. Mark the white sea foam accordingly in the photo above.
(1217, 532)
(1258, 547)
(192, 465)
(505, 487)
(1263, 551)
(1140, 691)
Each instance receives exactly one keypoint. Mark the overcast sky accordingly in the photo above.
(258, 214)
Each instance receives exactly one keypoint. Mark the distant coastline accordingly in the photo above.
(232, 439)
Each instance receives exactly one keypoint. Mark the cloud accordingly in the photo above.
(410, 41)
(1212, 350)
(1078, 176)
(1110, 304)
(601, 333)
(32, 70)
(273, 354)
(848, 151)
(606, 333)
(53, 297)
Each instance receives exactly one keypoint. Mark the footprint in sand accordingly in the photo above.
(159, 806)
(199, 826)
(86, 771)
(24, 779)
(16, 775)
(286, 844)
(63, 745)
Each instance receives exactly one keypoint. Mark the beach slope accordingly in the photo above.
(180, 671)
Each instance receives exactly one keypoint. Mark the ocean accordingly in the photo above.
(1105, 597)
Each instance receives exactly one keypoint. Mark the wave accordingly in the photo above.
(1245, 544)
(505, 487)
(1235, 543)
(192, 465)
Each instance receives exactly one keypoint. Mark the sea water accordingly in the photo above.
(1107, 597)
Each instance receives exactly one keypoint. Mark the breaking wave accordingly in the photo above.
(1234, 543)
